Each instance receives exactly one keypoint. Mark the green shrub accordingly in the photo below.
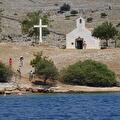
(118, 25)
(5, 73)
(65, 7)
(90, 73)
(74, 12)
(90, 19)
(103, 15)
(44, 67)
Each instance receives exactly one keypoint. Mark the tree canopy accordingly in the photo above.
(5, 73)
(89, 73)
(65, 7)
(105, 31)
(31, 20)
(44, 67)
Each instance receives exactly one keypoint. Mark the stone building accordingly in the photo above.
(81, 37)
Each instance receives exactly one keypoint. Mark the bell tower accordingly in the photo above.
(80, 23)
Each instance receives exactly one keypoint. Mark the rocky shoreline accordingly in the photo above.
(21, 89)
(60, 88)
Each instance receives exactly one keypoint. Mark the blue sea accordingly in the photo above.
(95, 106)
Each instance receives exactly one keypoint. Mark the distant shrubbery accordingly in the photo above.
(103, 15)
(90, 19)
(118, 25)
(74, 12)
(89, 73)
(44, 67)
(65, 7)
(5, 73)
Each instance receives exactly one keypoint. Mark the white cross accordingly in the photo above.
(40, 26)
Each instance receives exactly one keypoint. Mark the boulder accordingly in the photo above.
(2, 91)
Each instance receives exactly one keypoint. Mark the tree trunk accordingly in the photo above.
(115, 43)
(35, 38)
(107, 43)
(45, 79)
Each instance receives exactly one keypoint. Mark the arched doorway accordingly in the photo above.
(79, 43)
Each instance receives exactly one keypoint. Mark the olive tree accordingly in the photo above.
(105, 31)
(31, 20)
(44, 67)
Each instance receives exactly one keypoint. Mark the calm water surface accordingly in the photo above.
(61, 107)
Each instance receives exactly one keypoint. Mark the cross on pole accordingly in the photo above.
(40, 26)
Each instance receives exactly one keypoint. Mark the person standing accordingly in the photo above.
(10, 62)
(21, 61)
(19, 73)
(84, 44)
(30, 75)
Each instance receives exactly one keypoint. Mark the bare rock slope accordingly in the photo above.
(15, 10)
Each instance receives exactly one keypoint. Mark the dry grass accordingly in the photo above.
(61, 57)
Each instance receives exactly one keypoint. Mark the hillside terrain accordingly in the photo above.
(62, 58)
(14, 11)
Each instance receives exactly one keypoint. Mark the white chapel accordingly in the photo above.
(81, 37)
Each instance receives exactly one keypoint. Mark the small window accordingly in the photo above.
(80, 20)
(72, 43)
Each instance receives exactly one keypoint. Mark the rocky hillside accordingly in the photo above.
(13, 11)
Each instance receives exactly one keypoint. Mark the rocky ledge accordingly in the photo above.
(12, 89)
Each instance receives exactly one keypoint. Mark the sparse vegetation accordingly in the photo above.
(74, 12)
(15, 14)
(88, 73)
(5, 73)
(65, 7)
(103, 15)
(56, 4)
(89, 20)
(44, 67)
(118, 25)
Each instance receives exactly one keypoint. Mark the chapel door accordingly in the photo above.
(79, 43)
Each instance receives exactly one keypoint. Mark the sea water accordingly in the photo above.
(102, 106)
